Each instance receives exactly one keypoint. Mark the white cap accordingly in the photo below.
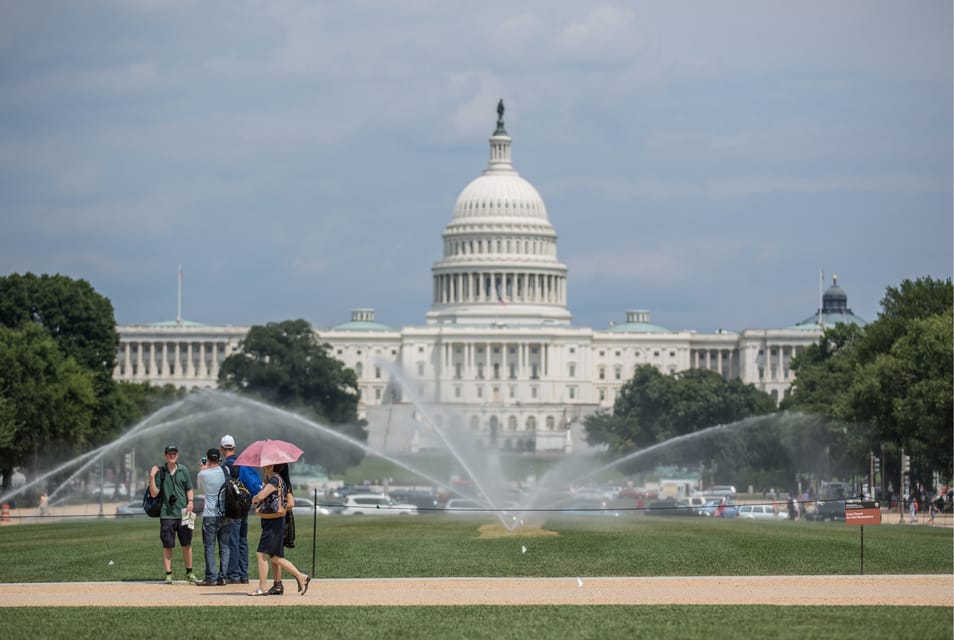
(227, 442)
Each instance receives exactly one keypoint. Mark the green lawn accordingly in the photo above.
(452, 546)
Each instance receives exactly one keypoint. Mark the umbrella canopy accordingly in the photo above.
(262, 453)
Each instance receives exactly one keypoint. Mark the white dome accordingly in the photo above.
(500, 194)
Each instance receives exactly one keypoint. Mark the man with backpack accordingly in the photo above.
(238, 542)
(216, 525)
(175, 487)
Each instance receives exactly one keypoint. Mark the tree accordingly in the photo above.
(890, 381)
(653, 408)
(47, 400)
(284, 364)
(80, 321)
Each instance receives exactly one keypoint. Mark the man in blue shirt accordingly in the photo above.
(216, 527)
(238, 541)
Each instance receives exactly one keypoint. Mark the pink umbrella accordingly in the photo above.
(262, 453)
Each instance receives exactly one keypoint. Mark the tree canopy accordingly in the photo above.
(652, 408)
(47, 400)
(284, 364)
(891, 380)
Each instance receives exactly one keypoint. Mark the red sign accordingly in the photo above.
(860, 513)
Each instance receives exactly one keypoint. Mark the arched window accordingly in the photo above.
(531, 423)
(551, 423)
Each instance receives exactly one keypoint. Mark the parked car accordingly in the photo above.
(305, 508)
(375, 504)
(720, 491)
(427, 502)
(827, 511)
(670, 507)
(761, 512)
(465, 507)
(719, 508)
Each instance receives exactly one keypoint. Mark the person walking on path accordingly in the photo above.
(177, 501)
(238, 540)
(270, 505)
(216, 527)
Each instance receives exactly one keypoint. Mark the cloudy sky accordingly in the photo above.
(703, 160)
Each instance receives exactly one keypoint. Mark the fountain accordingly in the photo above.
(196, 423)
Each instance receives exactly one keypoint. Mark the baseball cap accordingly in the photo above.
(171, 447)
(213, 455)
(227, 442)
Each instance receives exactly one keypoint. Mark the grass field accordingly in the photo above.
(451, 546)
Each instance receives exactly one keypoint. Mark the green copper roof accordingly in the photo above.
(362, 325)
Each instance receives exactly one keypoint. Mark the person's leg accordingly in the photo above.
(224, 536)
(262, 571)
(243, 549)
(167, 559)
(302, 578)
(233, 572)
(209, 529)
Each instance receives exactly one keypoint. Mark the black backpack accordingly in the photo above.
(153, 506)
(235, 501)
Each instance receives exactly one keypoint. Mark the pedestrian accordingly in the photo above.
(281, 470)
(270, 505)
(216, 527)
(238, 540)
(932, 511)
(175, 516)
(44, 507)
(913, 510)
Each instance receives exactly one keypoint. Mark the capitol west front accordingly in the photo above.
(498, 354)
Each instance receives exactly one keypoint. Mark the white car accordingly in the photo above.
(376, 504)
(761, 512)
(305, 508)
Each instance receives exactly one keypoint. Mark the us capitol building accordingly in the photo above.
(498, 353)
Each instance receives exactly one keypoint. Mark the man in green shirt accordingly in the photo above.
(177, 495)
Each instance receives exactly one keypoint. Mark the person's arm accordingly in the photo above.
(153, 489)
(267, 489)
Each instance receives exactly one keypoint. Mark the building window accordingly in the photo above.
(359, 369)
(512, 423)
(513, 392)
(572, 392)
(457, 391)
(602, 373)
(572, 371)
(377, 394)
(618, 373)
(377, 372)
(551, 423)
(533, 392)
(602, 395)
(531, 423)
(480, 392)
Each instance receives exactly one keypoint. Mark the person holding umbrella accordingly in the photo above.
(270, 504)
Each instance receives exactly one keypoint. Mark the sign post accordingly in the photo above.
(858, 513)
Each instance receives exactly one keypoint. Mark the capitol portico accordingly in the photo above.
(498, 353)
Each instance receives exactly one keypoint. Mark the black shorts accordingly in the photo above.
(169, 529)
(273, 537)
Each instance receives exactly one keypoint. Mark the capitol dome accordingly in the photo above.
(499, 263)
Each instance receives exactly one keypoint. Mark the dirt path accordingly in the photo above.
(923, 590)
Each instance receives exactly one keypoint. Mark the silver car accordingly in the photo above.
(761, 512)
(376, 504)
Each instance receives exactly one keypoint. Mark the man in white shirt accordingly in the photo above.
(215, 526)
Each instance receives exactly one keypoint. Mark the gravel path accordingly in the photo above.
(922, 590)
